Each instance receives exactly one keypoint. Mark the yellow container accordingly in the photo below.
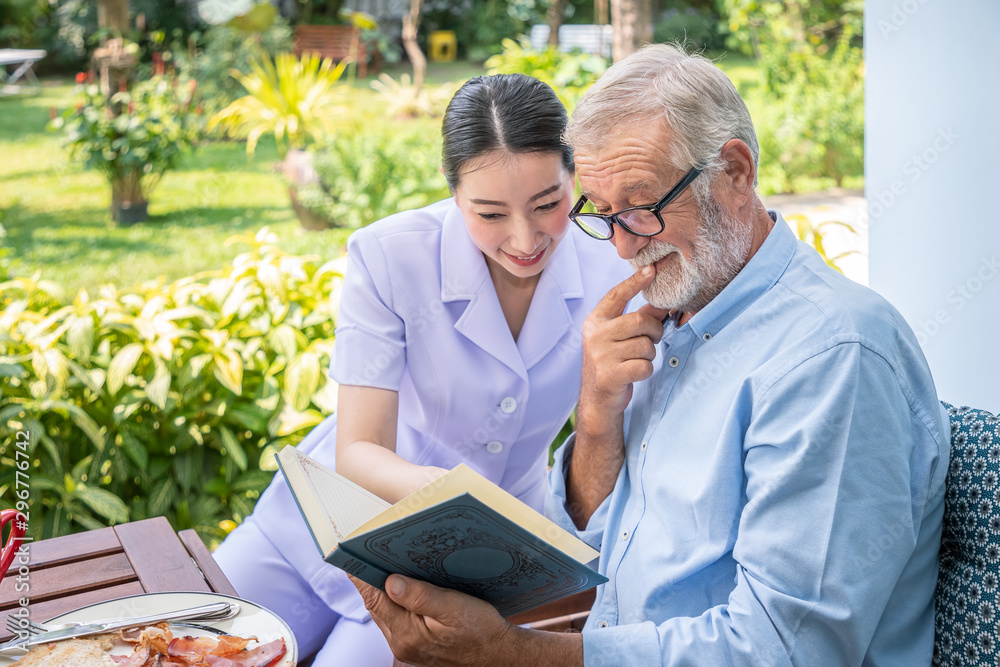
(443, 45)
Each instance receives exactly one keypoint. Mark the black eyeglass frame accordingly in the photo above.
(612, 219)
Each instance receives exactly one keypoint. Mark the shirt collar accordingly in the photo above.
(757, 277)
(463, 267)
(465, 277)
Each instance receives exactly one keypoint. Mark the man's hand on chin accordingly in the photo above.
(428, 625)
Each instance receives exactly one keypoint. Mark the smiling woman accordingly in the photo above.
(516, 228)
(458, 341)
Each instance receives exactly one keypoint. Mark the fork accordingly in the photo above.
(22, 626)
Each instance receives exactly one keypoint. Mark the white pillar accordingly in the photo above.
(932, 180)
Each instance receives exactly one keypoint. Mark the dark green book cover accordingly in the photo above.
(464, 545)
(460, 531)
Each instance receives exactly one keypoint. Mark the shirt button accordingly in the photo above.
(644, 443)
(602, 624)
(706, 336)
(674, 362)
(625, 535)
(494, 447)
(508, 405)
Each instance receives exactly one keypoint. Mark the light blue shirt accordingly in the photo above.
(782, 492)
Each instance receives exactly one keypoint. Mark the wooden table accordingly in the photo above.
(73, 571)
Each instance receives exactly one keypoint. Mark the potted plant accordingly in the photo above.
(133, 137)
(296, 100)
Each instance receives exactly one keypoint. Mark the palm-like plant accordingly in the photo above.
(296, 99)
(405, 100)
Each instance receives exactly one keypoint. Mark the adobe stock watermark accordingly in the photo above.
(901, 13)
(958, 297)
(913, 169)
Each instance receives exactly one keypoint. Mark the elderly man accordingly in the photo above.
(760, 455)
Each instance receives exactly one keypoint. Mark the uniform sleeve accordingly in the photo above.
(370, 345)
(837, 486)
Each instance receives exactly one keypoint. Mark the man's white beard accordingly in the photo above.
(720, 251)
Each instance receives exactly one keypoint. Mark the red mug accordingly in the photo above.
(18, 524)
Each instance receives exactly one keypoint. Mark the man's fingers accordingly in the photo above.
(640, 347)
(614, 302)
(419, 597)
(654, 312)
(635, 324)
(637, 369)
(376, 602)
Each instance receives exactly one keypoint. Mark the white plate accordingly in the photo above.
(253, 620)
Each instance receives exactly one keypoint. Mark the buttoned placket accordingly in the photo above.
(673, 349)
(510, 414)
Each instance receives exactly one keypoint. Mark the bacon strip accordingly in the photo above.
(229, 644)
(137, 659)
(264, 655)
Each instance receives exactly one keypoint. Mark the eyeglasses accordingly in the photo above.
(638, 220)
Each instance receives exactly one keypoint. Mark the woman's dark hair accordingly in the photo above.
(508, 112)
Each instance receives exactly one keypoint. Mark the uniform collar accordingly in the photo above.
(465, 277)
(757, 277)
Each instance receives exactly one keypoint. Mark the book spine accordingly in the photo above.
(356, 567)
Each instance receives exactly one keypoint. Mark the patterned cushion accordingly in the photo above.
(967, 619)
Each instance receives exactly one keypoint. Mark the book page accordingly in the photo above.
(463, 479)
(332, 505)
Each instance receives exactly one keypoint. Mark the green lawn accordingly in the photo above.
(56, 214)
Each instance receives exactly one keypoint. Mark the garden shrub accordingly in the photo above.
(373, 172)
(812, 120)
(163, 399)
(696, 27)
(209, 57)
(570, 73)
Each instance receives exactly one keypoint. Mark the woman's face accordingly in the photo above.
(516, 207)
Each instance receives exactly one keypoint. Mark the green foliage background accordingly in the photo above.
(367, 175)
(164, 399)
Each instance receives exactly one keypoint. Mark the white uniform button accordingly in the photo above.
(508, 405)
(706, 336)
(674, 362)
(625, 535)
(602, 624)
(494, 447)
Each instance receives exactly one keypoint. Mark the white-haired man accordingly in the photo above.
(760, 455)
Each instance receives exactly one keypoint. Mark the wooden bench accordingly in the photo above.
(332, 41)
(587, 38)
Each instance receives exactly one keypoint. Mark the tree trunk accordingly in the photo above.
(113, 14)
(633, 24)
(554, 17)
(416, 56)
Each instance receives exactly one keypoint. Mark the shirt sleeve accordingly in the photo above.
(836, 491)
(555, 500)
(370, 345)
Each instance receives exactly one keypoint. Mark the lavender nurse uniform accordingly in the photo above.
(419, 315)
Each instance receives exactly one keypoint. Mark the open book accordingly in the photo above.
(461, 531)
